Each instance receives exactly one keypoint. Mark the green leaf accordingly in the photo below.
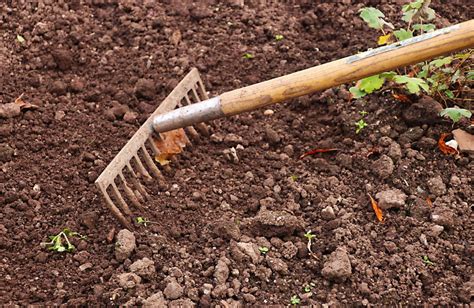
(60, 249)
(470, 75)
(356, 92)
(388, 75)
(441, 62)
(449, 94)
(412, 84)
(279, 37)
(429, 13)
(374, 18)
(423, 73)
(424, 27)
(248, 56)
(403, 34)
(408, 15)
(455, 114)
(372, 83)
(20, 39)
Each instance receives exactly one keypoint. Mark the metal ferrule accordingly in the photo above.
(185, 116)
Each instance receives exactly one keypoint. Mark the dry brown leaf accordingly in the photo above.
(24, 105)
(446, 149)
(170, 144)
(377, 209)
(428, 200)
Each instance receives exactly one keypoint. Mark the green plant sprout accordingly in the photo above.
(295, 300)
(363, 113)
(279, 37)
(455, 114)
(427, 260)
(360, 125)
(307, 288)
(143, 221)
(263, 250)
(20, 39)
(309, 236)
(248, 56)
(437, 78)
(293, 177)
(57, 244)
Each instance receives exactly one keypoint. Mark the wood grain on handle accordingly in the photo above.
(411, 51)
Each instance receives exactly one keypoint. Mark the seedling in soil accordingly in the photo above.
(455, 114)
(263, 250)
(248, 56)
(309, 236)
(278, 37)
(143, 221)
(307, 288)
(360, 125)
(295, 300)
(363, 113)
(57, 243)
(20, 39)
(293, 177)
(427, 260)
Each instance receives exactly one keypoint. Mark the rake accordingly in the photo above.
(188, 107)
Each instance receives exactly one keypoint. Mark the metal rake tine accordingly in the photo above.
(149, 161)
(141, 168)
(129, 192)
(121, 201)
(140, 189)
(115, 211)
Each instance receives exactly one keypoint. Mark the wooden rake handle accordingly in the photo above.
(410, 51)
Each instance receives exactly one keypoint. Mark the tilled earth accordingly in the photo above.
(97, 69)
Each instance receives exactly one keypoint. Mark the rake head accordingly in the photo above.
(121, 181)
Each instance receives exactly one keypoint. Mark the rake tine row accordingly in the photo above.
(135, 162)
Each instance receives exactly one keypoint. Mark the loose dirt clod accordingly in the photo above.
(338, 266)
(392, 198)
(125, 245)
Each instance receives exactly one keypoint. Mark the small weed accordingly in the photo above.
(279, 37)
(56, 243)
(295, 300)
(143, 221)
(455, 114)
(263, 250)
(309, 236)
(307, 288)
(427, 260)
(20, 39)
(248, 56)
(360, 125)
(363, 113)
(293, 177)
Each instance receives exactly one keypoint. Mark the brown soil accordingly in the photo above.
(81, 63)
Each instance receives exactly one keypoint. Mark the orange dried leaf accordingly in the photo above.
(401, 97)
(314, 151)
(377, 210)
(170, 144)
(428, 200)
(446, 149)
(24, 105)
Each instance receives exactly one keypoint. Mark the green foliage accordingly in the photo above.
(279, 37)
(360, 125)
(263, 250)
(374, 18)
(441, 78)
(295, 300)
(309, 235)
(293, 177)
(413, 85)
(403, 34)
(427, 260)
(57, 244)
(248, 56)
(455, 114)
(307, 288)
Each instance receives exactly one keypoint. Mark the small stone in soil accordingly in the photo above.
(145, 268)
(383, 167)
(155, 300)
(128, 280)
(9, 110)
(425, 111)
(443, 217)
(125, 245)
(465, 141)
(272, 136)
(6, 152)
(173, 289)
(392, 198)
(328, 213)
(436, 186)
(338, 266)
(145, 88)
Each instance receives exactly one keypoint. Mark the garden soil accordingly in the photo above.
(224, 230)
